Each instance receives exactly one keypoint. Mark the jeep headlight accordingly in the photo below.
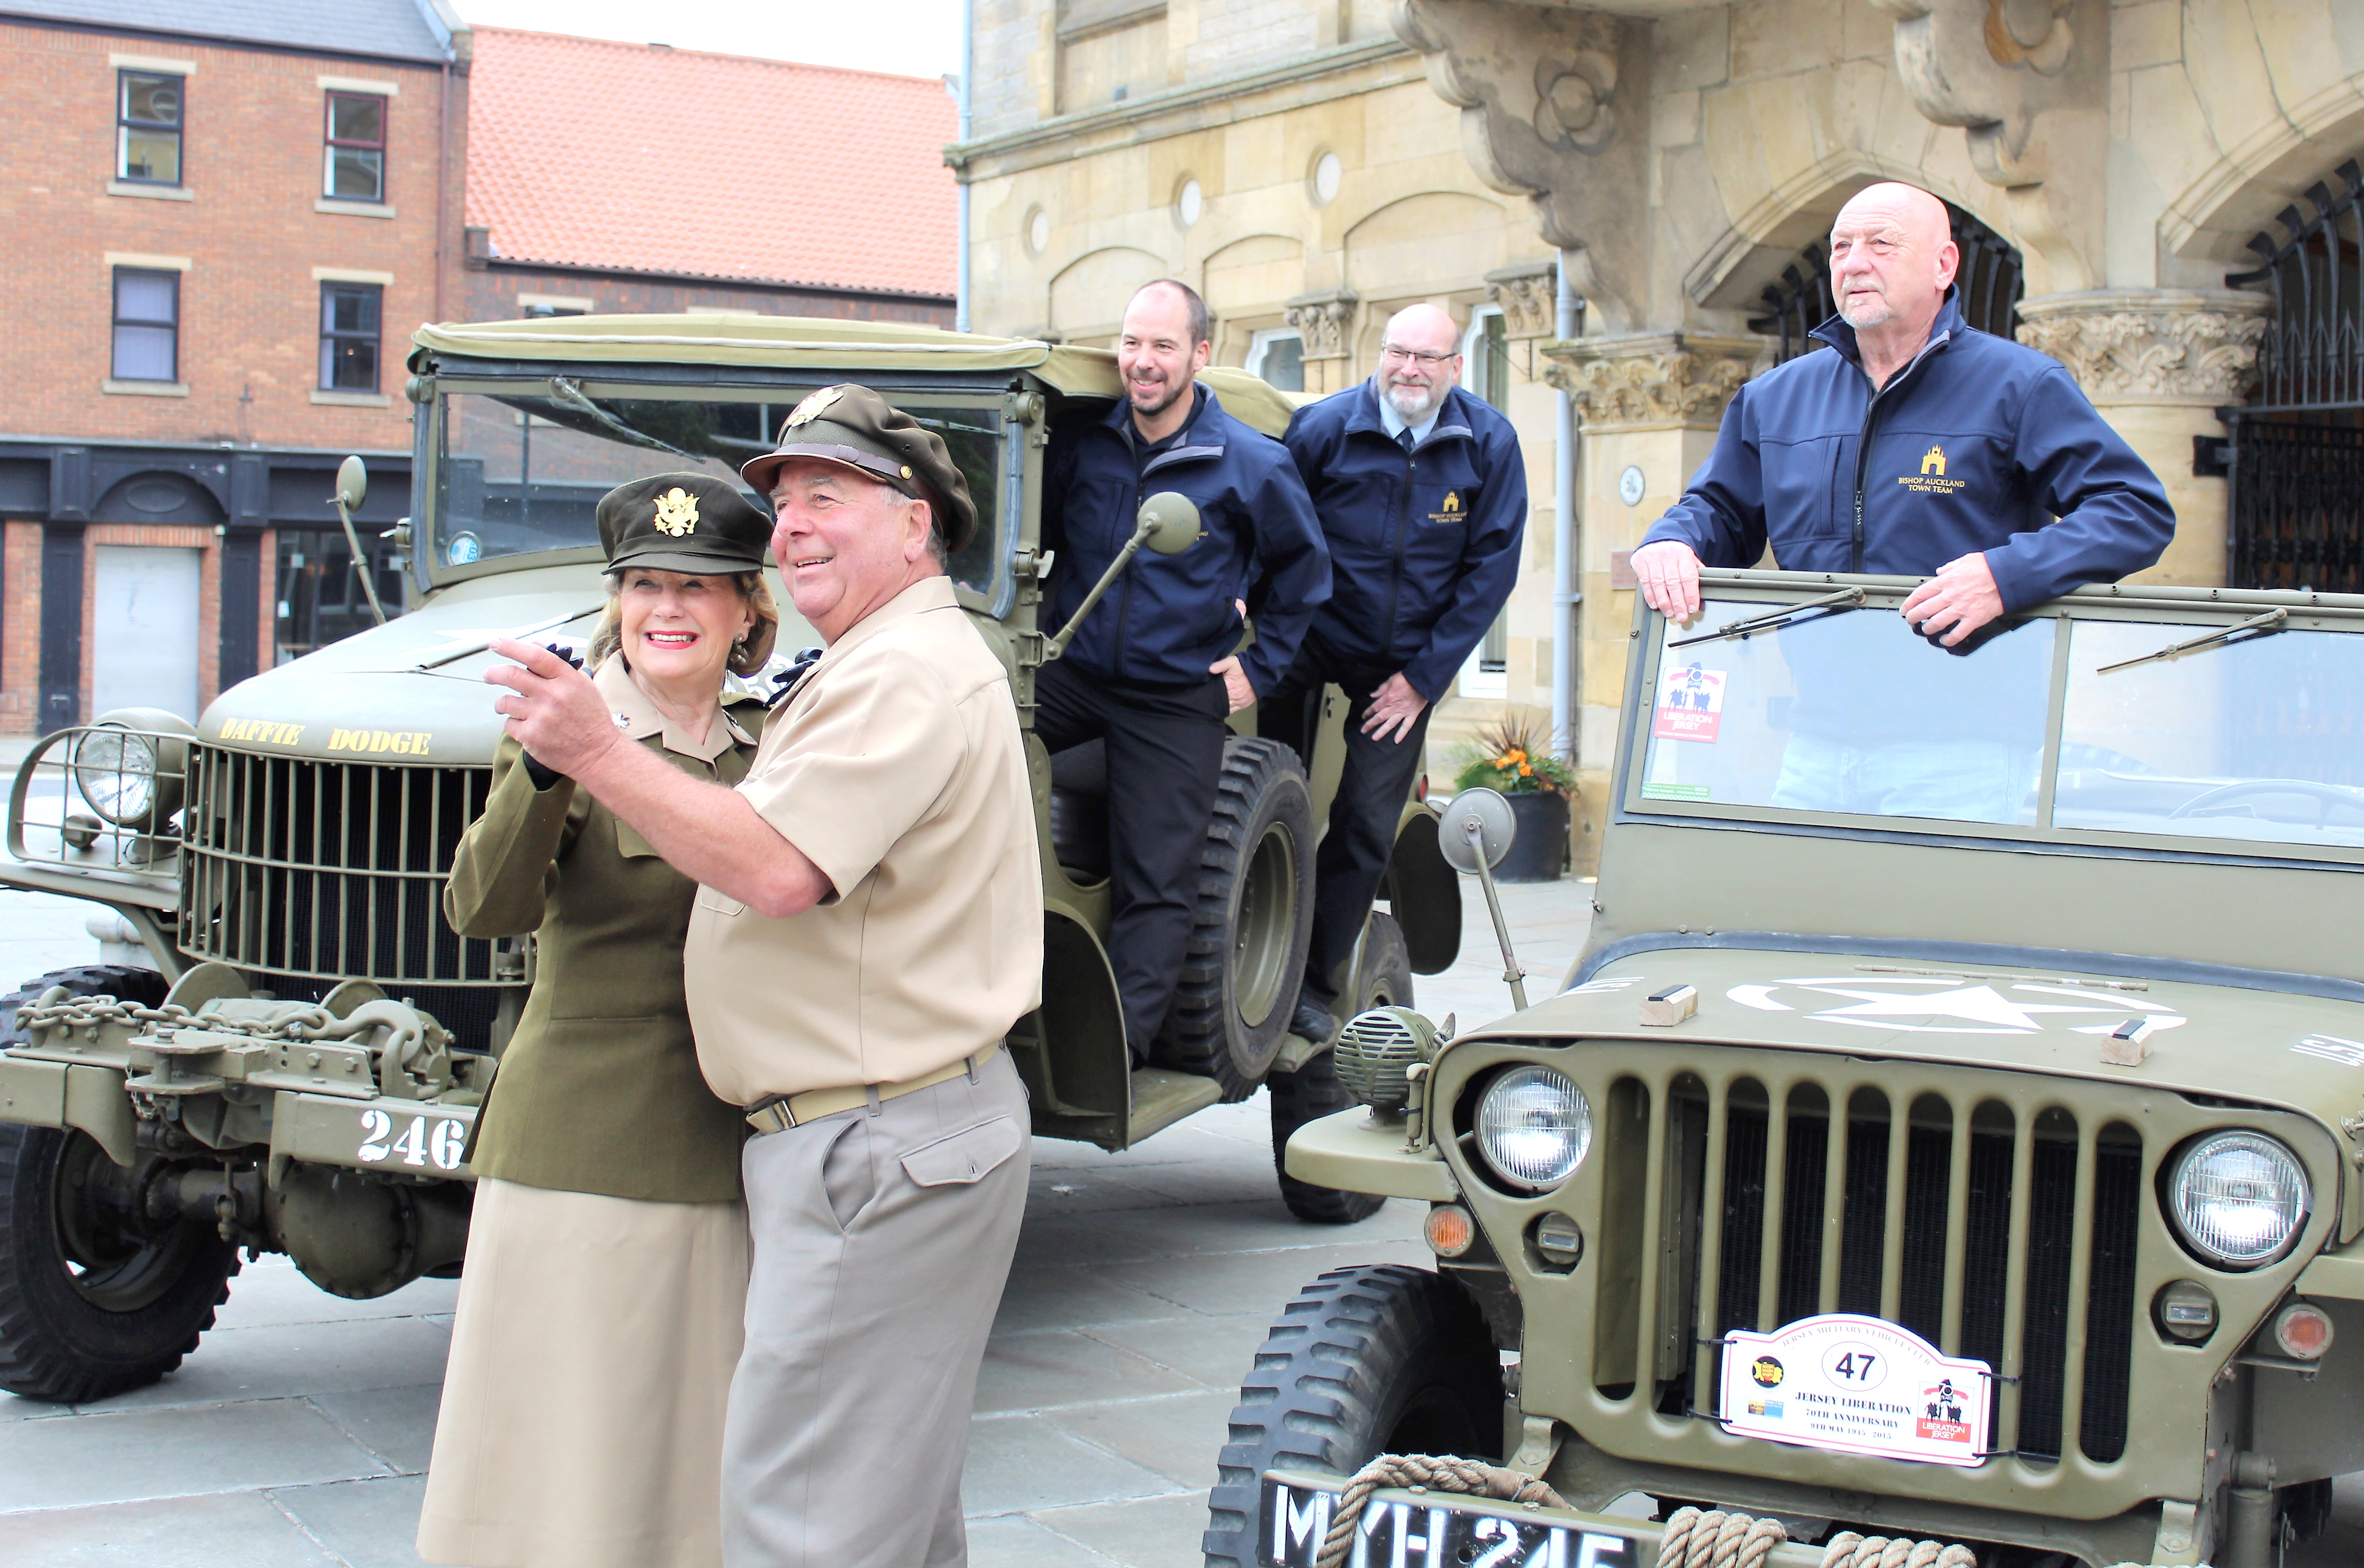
(2238, 1199)
(129, 765)
(1534, 1127)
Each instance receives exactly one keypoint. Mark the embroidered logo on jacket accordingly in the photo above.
(1932, 480)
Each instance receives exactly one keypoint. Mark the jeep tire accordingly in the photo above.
(1253, 923)
(1382, 979)
(1378, 1359)
(94, 1301)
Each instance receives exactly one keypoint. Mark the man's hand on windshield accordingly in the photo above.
(1669, 572)
(1394, 707)
(1235, 682)
(1962, 597)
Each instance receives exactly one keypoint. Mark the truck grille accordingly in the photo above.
(331, 869)
(1991, 1224)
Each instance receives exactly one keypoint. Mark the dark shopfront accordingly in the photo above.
(160, 573)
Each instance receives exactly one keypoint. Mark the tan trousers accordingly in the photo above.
(882, 1242)
(591, 1357)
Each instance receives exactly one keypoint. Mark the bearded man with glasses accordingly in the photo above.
(1422, 495)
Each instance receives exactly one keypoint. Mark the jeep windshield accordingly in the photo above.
(520, 469)
(2055, 726)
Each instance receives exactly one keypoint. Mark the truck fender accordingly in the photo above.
(1423, 893)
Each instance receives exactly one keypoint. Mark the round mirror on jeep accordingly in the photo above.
(352, 483)
(1376, 1054)
(1172, 519)
(130, 764)
(1476, 820)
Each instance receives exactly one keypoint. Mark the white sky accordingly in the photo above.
(908, 38)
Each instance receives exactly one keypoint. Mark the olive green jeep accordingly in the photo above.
(1950, 1133)
(295, 1061)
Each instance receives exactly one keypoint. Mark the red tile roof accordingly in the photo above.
(585, 152)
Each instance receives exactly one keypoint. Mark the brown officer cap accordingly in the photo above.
(855, 427)
(684, 522)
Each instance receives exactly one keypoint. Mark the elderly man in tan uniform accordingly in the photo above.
(869, 926)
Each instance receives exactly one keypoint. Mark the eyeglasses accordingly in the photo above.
(1426, 362)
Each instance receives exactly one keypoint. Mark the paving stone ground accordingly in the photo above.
(298, 1434)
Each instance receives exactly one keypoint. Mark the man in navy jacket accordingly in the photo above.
(1152, 670)
(1918, 446)
(1422, 495)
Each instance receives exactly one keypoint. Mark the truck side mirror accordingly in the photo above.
(352, 483)
(1170, 521)
(1167, 523)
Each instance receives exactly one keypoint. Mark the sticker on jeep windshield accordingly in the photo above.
(1855, 1385)
(1690, 704)
(1674, 792)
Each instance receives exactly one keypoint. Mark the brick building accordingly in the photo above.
(222, 219)
(638, 177)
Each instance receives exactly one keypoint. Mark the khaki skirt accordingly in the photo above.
(591, 1361)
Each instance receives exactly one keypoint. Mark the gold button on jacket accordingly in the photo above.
(600, 1090)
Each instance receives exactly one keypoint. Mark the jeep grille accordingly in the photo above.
(331, 869)
(2003, 1215)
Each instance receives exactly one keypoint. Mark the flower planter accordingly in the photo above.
(1539, 853)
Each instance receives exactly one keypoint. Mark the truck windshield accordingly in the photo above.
(2261, 738)
(520, 473)
(1852, 713)
(2257, 737)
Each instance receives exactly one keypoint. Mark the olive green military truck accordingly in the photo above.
(297, 1063)
(1950, 1133)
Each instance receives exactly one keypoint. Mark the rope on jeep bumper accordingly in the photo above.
(1425, 1472)
(1848, 1550)
(1715, 1539)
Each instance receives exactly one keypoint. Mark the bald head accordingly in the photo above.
(1892, 258)
(1419, 360)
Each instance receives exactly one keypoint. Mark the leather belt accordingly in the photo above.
(782, 1112)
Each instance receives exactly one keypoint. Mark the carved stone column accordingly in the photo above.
(1325, 323)
(1648, 402)
(1528, 295)
(2157, 363)
(1655, 380)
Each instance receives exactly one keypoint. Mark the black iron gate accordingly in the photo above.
(1987, 285)
(2296, 457)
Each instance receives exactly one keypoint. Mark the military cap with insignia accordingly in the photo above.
(684, 522)
(854, 427)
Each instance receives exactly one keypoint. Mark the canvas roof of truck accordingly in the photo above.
(844, 348)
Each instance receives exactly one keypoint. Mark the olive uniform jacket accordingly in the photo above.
(600, 1090)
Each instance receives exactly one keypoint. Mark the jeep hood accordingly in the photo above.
(2294, 1051)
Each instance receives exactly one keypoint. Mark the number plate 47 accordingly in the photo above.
(410, 1141)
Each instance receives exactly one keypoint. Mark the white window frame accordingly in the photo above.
(1475, 680)
(1261, 344)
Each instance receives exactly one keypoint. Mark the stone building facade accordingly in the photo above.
(1313, 164)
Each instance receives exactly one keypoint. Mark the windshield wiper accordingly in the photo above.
(567, 394)
(2256, 627)
(1829, 604)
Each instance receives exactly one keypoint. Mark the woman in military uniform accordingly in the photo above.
(599, 1313)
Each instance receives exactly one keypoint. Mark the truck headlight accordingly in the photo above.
(130, 766)
(2238, 1199)
(1534, 1127)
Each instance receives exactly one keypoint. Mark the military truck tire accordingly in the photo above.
(1254, 922)
(92, 1302)
(1376, 1359)
(1382, 979)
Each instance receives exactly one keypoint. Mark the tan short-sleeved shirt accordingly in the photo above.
(897, 767)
